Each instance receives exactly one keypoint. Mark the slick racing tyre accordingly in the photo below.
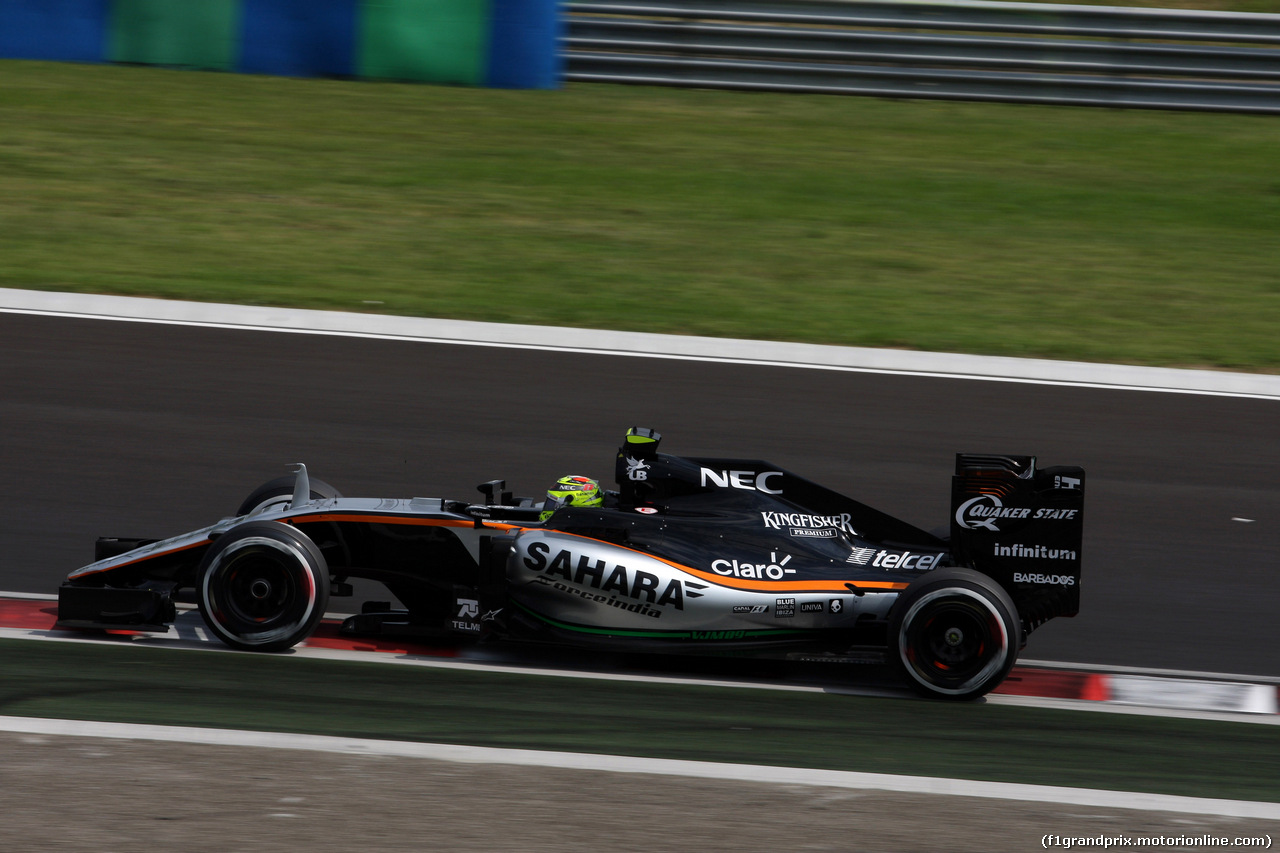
(278, 493)
(954, 634)
(262, 586)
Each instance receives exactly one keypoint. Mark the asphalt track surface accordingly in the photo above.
(130, 429)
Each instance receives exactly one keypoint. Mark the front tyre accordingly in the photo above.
(954, 634)
(263, 586)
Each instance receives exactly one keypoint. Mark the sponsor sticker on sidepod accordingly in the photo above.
(774, 570)
(592, 578)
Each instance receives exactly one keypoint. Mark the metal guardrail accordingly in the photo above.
(960, 50)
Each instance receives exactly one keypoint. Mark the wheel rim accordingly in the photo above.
(260, 590)
(953, 641)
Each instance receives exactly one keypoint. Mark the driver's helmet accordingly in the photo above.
(571, 491)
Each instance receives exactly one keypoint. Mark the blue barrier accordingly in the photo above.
(524, 44)
(299, 38)
(58, 30)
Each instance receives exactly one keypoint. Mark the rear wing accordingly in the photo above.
(1022, 527)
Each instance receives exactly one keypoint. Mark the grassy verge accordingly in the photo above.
(979, 741)
(1103, 235)
(1269, 7)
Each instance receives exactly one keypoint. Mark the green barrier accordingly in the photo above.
(191, 33)
(437, 41)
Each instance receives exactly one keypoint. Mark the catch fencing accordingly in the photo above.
(961, 50)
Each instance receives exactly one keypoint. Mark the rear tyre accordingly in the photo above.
(263, 586)
(278, 493)
(954, 634)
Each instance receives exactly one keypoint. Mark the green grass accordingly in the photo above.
(1269, 7)
(1103, 235)
(972, 741)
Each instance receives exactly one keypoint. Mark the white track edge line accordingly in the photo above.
(1117, 669)
(665, 767)
(1113, 707)
(455, 663)
(643, 345)
(340, 654)
(166, 643)
(1092, 668)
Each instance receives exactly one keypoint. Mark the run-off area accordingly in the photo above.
(75, 794)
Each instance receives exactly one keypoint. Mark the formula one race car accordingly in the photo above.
(690, 555)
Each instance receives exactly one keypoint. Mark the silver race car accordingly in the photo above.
(689, 555)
